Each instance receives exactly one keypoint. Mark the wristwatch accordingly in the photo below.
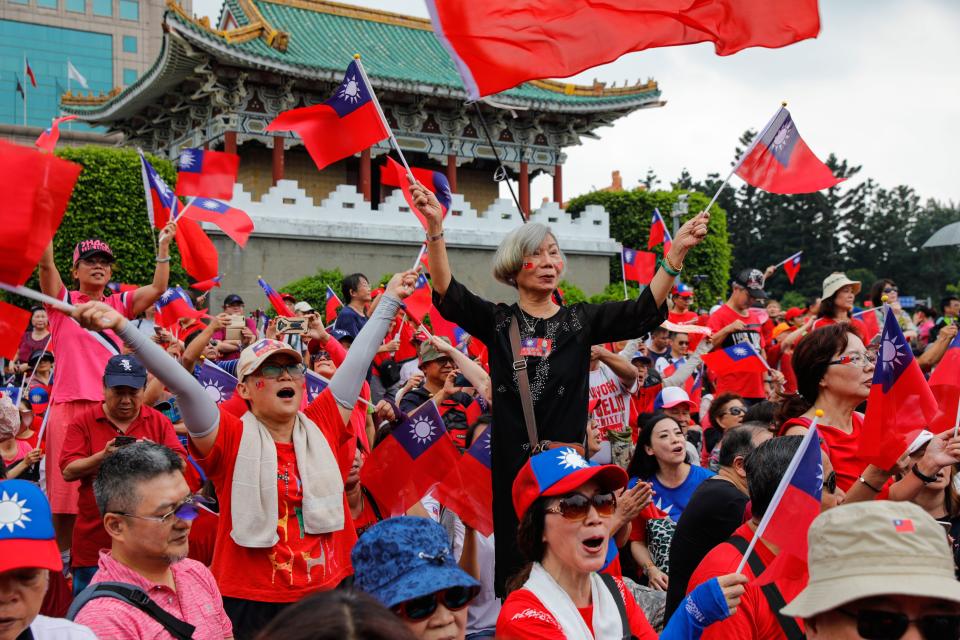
(925, 478)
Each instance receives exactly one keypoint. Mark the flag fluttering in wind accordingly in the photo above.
(207, 285)
(197, 252)
(232, 221)
(792, 266)
(174, 304)
(468, 488)
(47, 140)
(162, 203)
(19, 88)
(343, 125)
(331, 306)
(73, 74)
(638, 266)
(276, 300)
(659, 233)
(497, 44)
(210, 174)
(393, 174)
(419, 303)
(945, 385)
(738, 358)
(13, 322)
(27, 69)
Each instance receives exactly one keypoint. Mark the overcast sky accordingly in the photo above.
(880, 87)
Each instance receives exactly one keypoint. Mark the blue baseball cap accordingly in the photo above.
(403, 558)
(124, 371)
(557, 472)
(340, 334)
(26, 528)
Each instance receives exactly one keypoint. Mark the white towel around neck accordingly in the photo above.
(606, 615)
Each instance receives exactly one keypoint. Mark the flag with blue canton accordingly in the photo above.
(207, 173)
(315, 385)
(781, 137)
(481, 448)
(161, 200)
(218, 384)
(423, 427)
(11, 392)
(894, 355)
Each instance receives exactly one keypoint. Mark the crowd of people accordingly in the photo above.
(628, 476)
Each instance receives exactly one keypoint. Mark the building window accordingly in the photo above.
(129, 44)
(130, 10)
(77, 6)
(19, 1)
(103, 8)
(47, 4)
(129, 77)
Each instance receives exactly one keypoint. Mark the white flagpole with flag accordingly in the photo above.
(383, 118)
(74, 74)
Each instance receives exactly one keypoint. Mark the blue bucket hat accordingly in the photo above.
(403, 558)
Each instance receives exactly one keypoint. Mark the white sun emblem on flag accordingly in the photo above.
(666, 509)
(214, 390)
(186, 159)
(350, 90)
(628, 256)
(422, 431)
(890, 352)
(13, 513)
(209, 204)
(166, 295)
(570, 459)
(741, 351)
(783, 136)
(162, 187)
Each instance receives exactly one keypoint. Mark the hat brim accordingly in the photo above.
(683, 294)
(826, 595)
(609, 476)
(759, 294)
(23, 554)
(90, 254)
(689, 403)
(117, 380)
(641, 358)
(829, 293)
(422, 581)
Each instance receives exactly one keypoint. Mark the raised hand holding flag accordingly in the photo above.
(791, 266)
(174, 304)
(394, 175)
(331, 306)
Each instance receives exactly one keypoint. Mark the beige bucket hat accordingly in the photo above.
(868, 549)
(837, 280)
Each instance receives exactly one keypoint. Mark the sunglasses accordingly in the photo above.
(576, 507)
(736, 411)
(875, 624)
(890, 289)
(453, 598)
(830, 484)
(275, 370)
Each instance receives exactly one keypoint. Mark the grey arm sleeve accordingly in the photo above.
(689, 365)
(200, 414)
(630, 349)
(347, 381)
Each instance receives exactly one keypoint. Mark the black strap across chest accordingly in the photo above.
(770, 591)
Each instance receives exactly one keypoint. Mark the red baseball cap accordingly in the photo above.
(90, 248)
(26, 528)
(793, 312)
(558, 472)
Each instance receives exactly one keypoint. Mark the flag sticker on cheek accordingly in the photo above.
(528, 266)
(558, 266)
(259, 384)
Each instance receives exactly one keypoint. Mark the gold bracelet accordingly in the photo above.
(667, 262)
(434, 238)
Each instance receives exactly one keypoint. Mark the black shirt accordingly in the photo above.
(453, 410)
(714, 512)
(559, 382)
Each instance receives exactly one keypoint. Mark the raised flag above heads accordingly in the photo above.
(207, 285)
(331, 306)
(210, 174)
(174, 303)
(218, 383)
(779, 161)
(791, 266)
(394, 175)
(345, 124)
(276, 300)
(27, 69)
(638, 266)
(47, 140)
(742, 358)
(232, 221)
(945, 384)
(659, 233)
(161, 201)
(197, 252)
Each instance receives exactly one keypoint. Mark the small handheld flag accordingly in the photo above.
(232, 221)
(13, 322)
(276, 300)
(468, 488)
(161, 201)
(394, 175)
(659, 233)
(174, 304)
(638, 266)
(218, 384)
(332, 305)
(739, 358)
(207, 285)
(420, 301)
(197, 252)
(791, 266)
(207, 173)
(315, 385)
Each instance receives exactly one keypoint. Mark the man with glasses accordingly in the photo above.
(881, 571)
(148, 509)
(679, 350)
(101, 430)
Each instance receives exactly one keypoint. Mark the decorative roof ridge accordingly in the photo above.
(597, 89)
(353, 11)
(87, 99)
(258, 26)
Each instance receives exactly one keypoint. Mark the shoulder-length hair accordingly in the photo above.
(520, 242)
(644, 465)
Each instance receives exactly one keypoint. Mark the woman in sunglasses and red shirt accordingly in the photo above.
(565, 505)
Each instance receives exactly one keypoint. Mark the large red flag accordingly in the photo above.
(781, 162)
(945, 385)
(900, 404)
(207, 173)
(13, 322)
(497, 44)
(468, 488)
(232, 221)
(345, 124)
(197, 253)
(393, 174)
(36, 188)
(741, 358)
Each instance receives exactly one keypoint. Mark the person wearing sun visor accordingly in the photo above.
(565, 505)
(279, 473)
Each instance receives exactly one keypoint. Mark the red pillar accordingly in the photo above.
(558, 183)
(365, 174)
(230, 141)
(452, 171)
(524, 188)
(277, 159)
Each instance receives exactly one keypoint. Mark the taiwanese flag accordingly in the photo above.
(197, 253)
(121, 287)
(781, 162)
(443, 327)
(233, 222)
(792, 266)
(13, 322)
(218, 383)
(740, 358)
(900, 404)
(207, 285)
(693, 385)
(420, 301)
(29, 71)
(48, 139)
(468, 488)
(315, 384)
(173, 305)
(407, 350)
(161, 201)
(870, 323)
(393, 174)
(498, 44)
(207, 173)
(659, 233)
(945, 385)
(638, 266)
(793, 508)
(332, 304)
(276, 300)
(413, 459)
(347, 123)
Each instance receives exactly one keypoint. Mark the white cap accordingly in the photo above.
(302, 307)
(253, 356)
(672, 396)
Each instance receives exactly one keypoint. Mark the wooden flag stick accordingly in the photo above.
(39, 297)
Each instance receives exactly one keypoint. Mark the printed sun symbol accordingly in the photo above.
(209, 204)
(12, 512)
(890, 353)
(350, 90)
(214, 390)
(628, 256)
(783, 136)
(741, 351)
(422, 431)
(570, 459)
(166, 295)
(186, 159)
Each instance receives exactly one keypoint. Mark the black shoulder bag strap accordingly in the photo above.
(373, 503)
(611, 584)
(134, 596)
(770, 591)
(523, 385)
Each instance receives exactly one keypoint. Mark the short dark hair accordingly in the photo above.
(738, 441)
(341, 614)
(945, 302)
(930, 312)
(351, 283)
(762, 412)
(765, 468)
(718, 405)
(658, 330)
(115, 487)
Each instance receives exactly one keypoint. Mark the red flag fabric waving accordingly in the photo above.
(639, 266)
(207, 285)
(173, 305)
(781, 162)
(740, 358)
(13, 322)
(207, 173)
(332, 305)
(792, 266)
(900, 403)
(659, 233)
(870, 323)
(233, 222)
(468, 488)
(393, 174)
(48, 139)
(36, 189)
(276, 300)
(343, 125)
(945, 385)
(420, 301)
(197, 253)
(407, 350)
(497, 44)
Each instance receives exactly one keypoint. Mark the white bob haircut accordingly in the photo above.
(522, 241)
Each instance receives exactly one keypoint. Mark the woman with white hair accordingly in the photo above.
(554, 343)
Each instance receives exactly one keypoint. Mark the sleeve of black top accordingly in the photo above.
(613, 321)
(475, 315)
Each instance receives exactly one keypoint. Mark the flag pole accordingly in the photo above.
(623, 271)
(781, 489)
(416, 263)
(43, 424)
(383, 118)
(25, 83)
(501, 169)
(34, 370)
(956, 421)
(39, 297)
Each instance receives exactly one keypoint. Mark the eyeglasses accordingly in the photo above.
(186, 510)
(830, 484)
(680, 344)
(321, 355)
(274, 371)
(863, 359)
(453, 598)
(890, 289)
(576, 507)
(96, 262)
(736, 411)
(874, 624)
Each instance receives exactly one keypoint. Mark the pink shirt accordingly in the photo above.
(81, 354)
(195, 601)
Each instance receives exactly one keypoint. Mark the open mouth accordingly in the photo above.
(285, 393)
(593, 544)
(677, 449)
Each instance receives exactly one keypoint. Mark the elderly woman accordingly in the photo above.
(555, 356)
(836, 305)
(566, 505)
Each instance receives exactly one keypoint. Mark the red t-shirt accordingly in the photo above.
(203, 537)
(859, 328)
(523, 616)
(300, 563)
(88, 434)
(748, 385)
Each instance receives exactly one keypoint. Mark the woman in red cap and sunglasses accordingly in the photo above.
(566, 505)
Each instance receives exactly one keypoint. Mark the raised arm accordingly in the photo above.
(689, 365)
(472, 371)
(620, 366)
(146, 296)
(690, 235)
(50, 281)
(429, 206)
(193, 351)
